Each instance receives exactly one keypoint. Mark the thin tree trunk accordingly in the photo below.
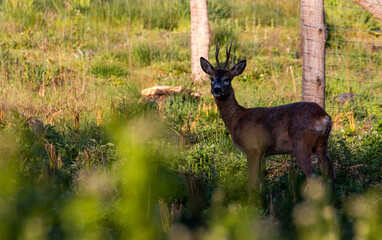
(372, 6)
(200, 37)
(313, 35)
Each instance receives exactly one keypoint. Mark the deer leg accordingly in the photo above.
(303, 153)
(322, 152)
(292, 181)
(254, 176)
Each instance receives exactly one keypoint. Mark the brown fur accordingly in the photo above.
(300, 128)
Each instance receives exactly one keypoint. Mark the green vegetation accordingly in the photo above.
(82, 157)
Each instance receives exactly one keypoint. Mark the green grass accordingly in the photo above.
(81, 156)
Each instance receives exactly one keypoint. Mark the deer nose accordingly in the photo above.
(217, 90)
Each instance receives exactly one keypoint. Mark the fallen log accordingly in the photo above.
(159, 93)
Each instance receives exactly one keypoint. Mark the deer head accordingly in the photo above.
(220, 76)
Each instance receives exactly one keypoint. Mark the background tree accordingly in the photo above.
(372, 6)
(313, 36)
(200, 37)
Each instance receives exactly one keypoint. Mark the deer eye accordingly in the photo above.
(226, 80)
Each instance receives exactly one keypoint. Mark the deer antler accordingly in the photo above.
(228, 53)
(217, 55)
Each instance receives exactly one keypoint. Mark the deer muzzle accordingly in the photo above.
(217, 92)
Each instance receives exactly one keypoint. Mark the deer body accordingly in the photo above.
(300, 128)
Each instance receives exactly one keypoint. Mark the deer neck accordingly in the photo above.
(230, 111)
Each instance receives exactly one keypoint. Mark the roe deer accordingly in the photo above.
(300, 128)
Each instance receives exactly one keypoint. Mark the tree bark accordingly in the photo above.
(200, 37)
(372, 6)
(313, 35)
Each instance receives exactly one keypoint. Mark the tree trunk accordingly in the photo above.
(372, 6)
(200, 37)
(313, 36)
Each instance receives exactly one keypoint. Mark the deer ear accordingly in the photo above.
(206, 66)
(238, 68)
